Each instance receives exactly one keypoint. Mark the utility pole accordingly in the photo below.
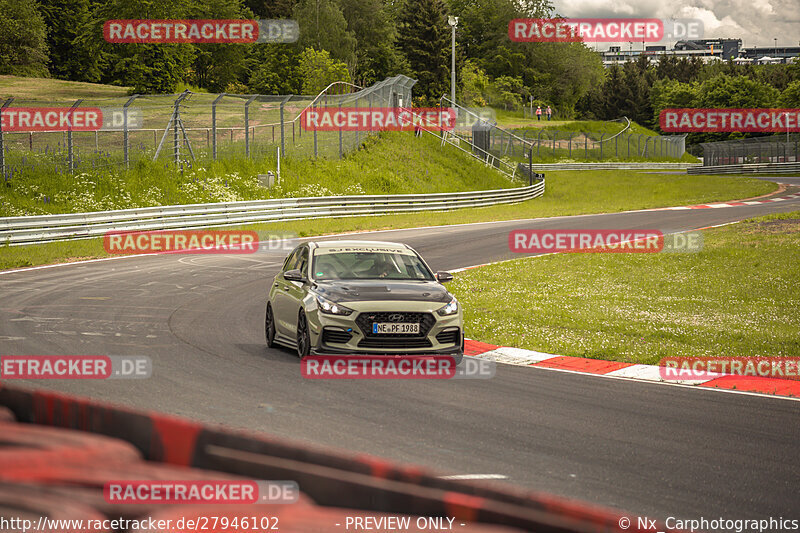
(453, 21)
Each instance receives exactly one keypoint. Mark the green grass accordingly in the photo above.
(611, 191)
(736, 297)
(393, 163)
(48, 89)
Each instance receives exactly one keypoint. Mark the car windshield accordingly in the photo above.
(369, 265)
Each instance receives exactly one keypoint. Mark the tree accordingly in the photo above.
(69, 58)
(318, 70)
(148, 68)
(790, 97)
(506, 91)
(424, 38)
(273, 70)
(474, 84)
(216, 66)
(735, 92)
(323, 27)
(23, 46)
(372, 25)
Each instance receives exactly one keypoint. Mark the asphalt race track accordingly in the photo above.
(651, 449)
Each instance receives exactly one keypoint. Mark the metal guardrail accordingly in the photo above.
(752, 168)
(616, 165)
(48, 228)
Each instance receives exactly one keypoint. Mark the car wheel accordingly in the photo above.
(269, 327)
(303, 337)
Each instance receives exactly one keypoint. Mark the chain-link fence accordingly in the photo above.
(780, 148)
(178, 128)
(553, 144)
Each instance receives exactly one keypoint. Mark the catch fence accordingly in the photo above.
(183, 128)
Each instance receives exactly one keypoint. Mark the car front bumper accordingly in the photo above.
(336, 334)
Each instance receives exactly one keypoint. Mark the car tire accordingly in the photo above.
(303, 336)
(269, 327)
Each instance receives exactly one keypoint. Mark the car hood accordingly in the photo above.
(383, 290)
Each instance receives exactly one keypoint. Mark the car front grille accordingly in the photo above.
(394, 342)
(365, 320)
(450, 336)
(335, 336)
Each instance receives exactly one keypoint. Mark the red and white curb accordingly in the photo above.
(729, 204)
(787, 388)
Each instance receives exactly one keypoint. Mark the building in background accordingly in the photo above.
(707, 50)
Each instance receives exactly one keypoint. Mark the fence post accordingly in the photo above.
(616, 146)
(555, 134)
(2, 146)
(315, 133)
(247, 125)
(601, 145)
(585, 146)
(340, 135)
(70, 147)
(539, 142)
(629, 145)
(569, 142)
(530, 165)
(283, 137)
(125, 138)
(214, 126)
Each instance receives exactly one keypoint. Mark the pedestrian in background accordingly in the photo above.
(539, 112)
(549, 113)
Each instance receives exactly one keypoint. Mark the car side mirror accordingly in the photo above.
(444, 277)
(294, 275)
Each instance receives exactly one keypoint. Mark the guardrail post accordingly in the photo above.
(283, 137)
(70, 146)
(2, 146)
(247, 125)
(214, 126)
(125, 137)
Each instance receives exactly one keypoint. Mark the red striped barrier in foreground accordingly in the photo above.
(175, 448)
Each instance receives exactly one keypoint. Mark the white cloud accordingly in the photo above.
(756, 22)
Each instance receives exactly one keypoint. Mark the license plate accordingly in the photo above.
(396, 327)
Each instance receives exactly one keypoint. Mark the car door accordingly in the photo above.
(280, 297)
(295, 291)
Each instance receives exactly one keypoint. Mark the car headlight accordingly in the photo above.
(449, 309)
(330, 308)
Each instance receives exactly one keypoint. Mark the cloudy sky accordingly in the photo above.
(756, 22)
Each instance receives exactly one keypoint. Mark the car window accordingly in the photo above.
(302, 260)
(291, 260)
(370, 265)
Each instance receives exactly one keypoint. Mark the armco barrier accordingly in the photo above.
(347, 484)
(47, 228)
(614, 165)
(754, 168)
